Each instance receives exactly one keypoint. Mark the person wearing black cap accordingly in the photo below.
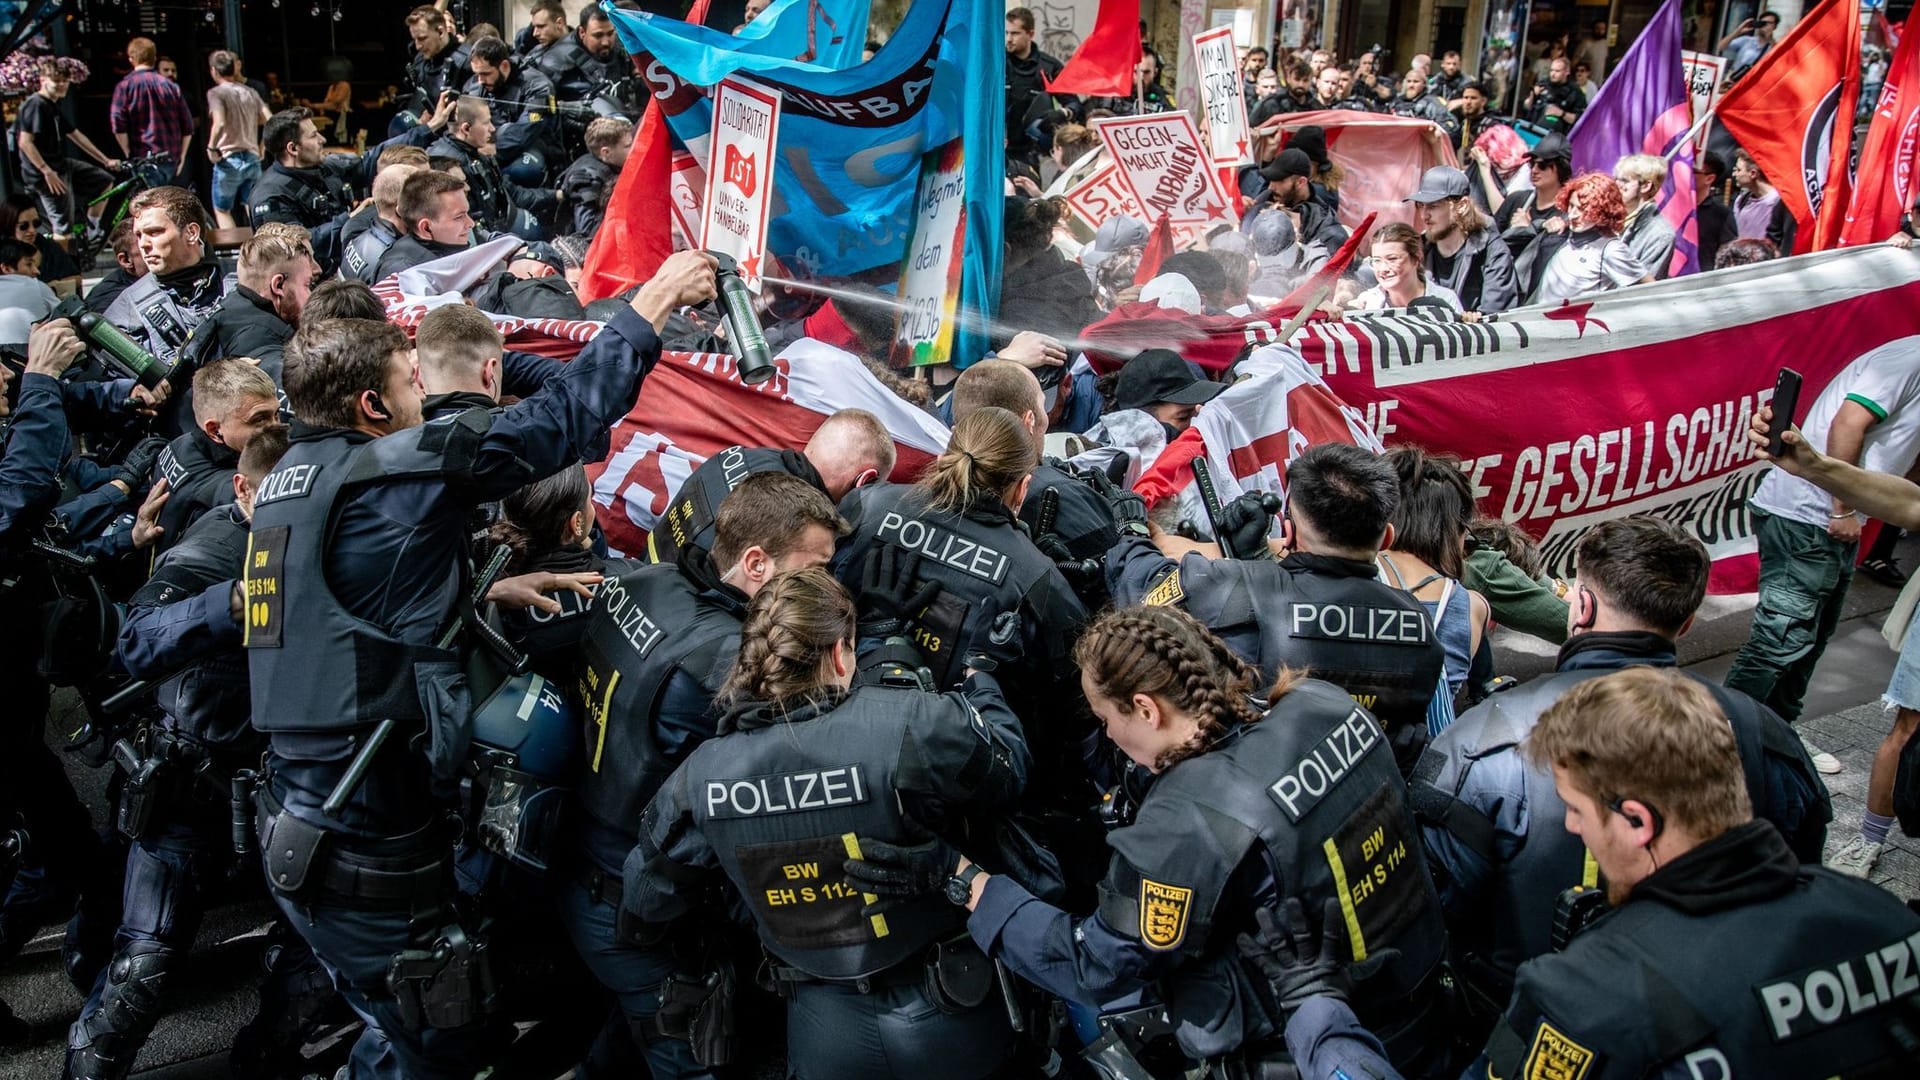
(1462, 251)
(1290, 187)
(1533, 225)
(1326, 176)
(1160, 384)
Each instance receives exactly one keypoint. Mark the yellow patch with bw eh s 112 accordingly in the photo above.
(1163, 914)
(1166, 591)
(1554, 1056)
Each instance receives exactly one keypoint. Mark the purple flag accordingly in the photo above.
(1644, 109)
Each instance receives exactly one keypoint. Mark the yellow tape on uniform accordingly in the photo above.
(1589, 872)
(852, 844)
(600, 718)
(1347, 912)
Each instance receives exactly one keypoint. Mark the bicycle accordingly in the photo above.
(137, 175)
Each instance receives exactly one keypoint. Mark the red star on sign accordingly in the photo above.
(750, 266)
(1577, 315)
(1241, 145)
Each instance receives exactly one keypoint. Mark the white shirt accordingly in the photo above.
(1886, 382)
(1375, 299)
(23, 301)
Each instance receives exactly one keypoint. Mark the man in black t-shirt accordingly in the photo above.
(1027, 71)
(62, 183)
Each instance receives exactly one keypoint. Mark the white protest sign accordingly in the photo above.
(740, 175)
(1705, 74)
(930, 275)
(1222, 96)
(1101, 196)
(1161, 161)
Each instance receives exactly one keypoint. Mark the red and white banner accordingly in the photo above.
(1627, 402)
(1889, 155)
(1382, 157)
(1162, 162)
(691, 405)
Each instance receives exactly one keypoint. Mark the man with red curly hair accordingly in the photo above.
(1594, 258)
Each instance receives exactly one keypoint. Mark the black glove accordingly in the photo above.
(897, 873)
(1128, 508)
(1301, 961)
(138, 465)
(1083, 575)
(891, 594)
(1244, 523)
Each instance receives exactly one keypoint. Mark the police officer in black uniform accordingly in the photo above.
(1722, 954)
(557, 53)
(1492, 824)
(809, 771)
(303, 186)
(850, 449)
(1322, 608)
(1069, 520)
(439, 63)
(524, 108)
(232, 401)
(256, 318)
(1253, 801)
(354, 573)
(653, 657)
(494, 200)
(549, 527)
(183, 283)
(182, 630)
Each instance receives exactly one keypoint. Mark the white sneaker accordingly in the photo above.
(1824, 763)
(1856, 859)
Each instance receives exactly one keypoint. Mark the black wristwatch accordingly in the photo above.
(960, 885)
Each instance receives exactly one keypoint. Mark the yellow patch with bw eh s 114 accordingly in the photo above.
(1554, 1056)
(1163, 914)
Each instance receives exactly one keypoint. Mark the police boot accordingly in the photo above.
(295, 995)
(102, 1044)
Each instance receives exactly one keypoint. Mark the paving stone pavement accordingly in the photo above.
(1852, 735)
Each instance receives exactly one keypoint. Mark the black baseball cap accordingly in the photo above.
(1159, 376)
(1551, 147)
(1290, 162)
(1051, 376)
(1439, 182)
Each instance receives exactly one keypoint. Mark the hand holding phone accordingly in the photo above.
(1786, 399)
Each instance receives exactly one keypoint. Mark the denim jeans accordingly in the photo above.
(233, 179)
(1804, 574)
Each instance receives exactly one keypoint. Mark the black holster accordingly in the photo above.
(445, 987)
(700, 1009)
(959, 976)
(140, 796)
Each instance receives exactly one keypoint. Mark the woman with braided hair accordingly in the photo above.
(808, 770)
(1255, 800)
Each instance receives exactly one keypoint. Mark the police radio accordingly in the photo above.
(1574, 910)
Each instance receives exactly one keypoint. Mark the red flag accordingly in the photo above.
(1104, 62)
(1159, 246)
(1794, 113)
(636, 236)
(1889, 156)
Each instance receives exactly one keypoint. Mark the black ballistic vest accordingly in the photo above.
(1312, 792)
(690, 516)
(646, 626)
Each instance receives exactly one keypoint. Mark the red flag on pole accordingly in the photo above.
(1159, 246)
(1794, 113)
(1890, 154)
(1104, 62)
(636, 237)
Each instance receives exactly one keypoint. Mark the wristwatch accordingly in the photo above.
(960, 885)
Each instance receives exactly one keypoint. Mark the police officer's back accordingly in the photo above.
(549, 527)
(1253, 800)
(1722, 954)
(1321, 609)
(807, 771)
(255, 319)
(301, 185)
(850, 449)
(654, 654)
(1492, 824)
(995, 586)
(354, 572)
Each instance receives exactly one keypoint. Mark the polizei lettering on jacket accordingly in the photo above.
(1803, 1003)
(944, 546)
(1310, 778)
(287, 482)
(634, 624)
(1343, 622)
(786, 793)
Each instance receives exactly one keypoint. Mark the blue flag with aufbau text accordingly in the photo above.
(851, 138)
(1644, 109)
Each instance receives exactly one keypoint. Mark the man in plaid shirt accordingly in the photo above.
(149, 113)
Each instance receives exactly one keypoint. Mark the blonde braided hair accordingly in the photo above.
(791, 627)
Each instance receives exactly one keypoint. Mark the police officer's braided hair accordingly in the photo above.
(1168, 654)
(792, 625)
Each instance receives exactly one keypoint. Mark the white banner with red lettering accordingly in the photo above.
(691, 405)
(1634, 401)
